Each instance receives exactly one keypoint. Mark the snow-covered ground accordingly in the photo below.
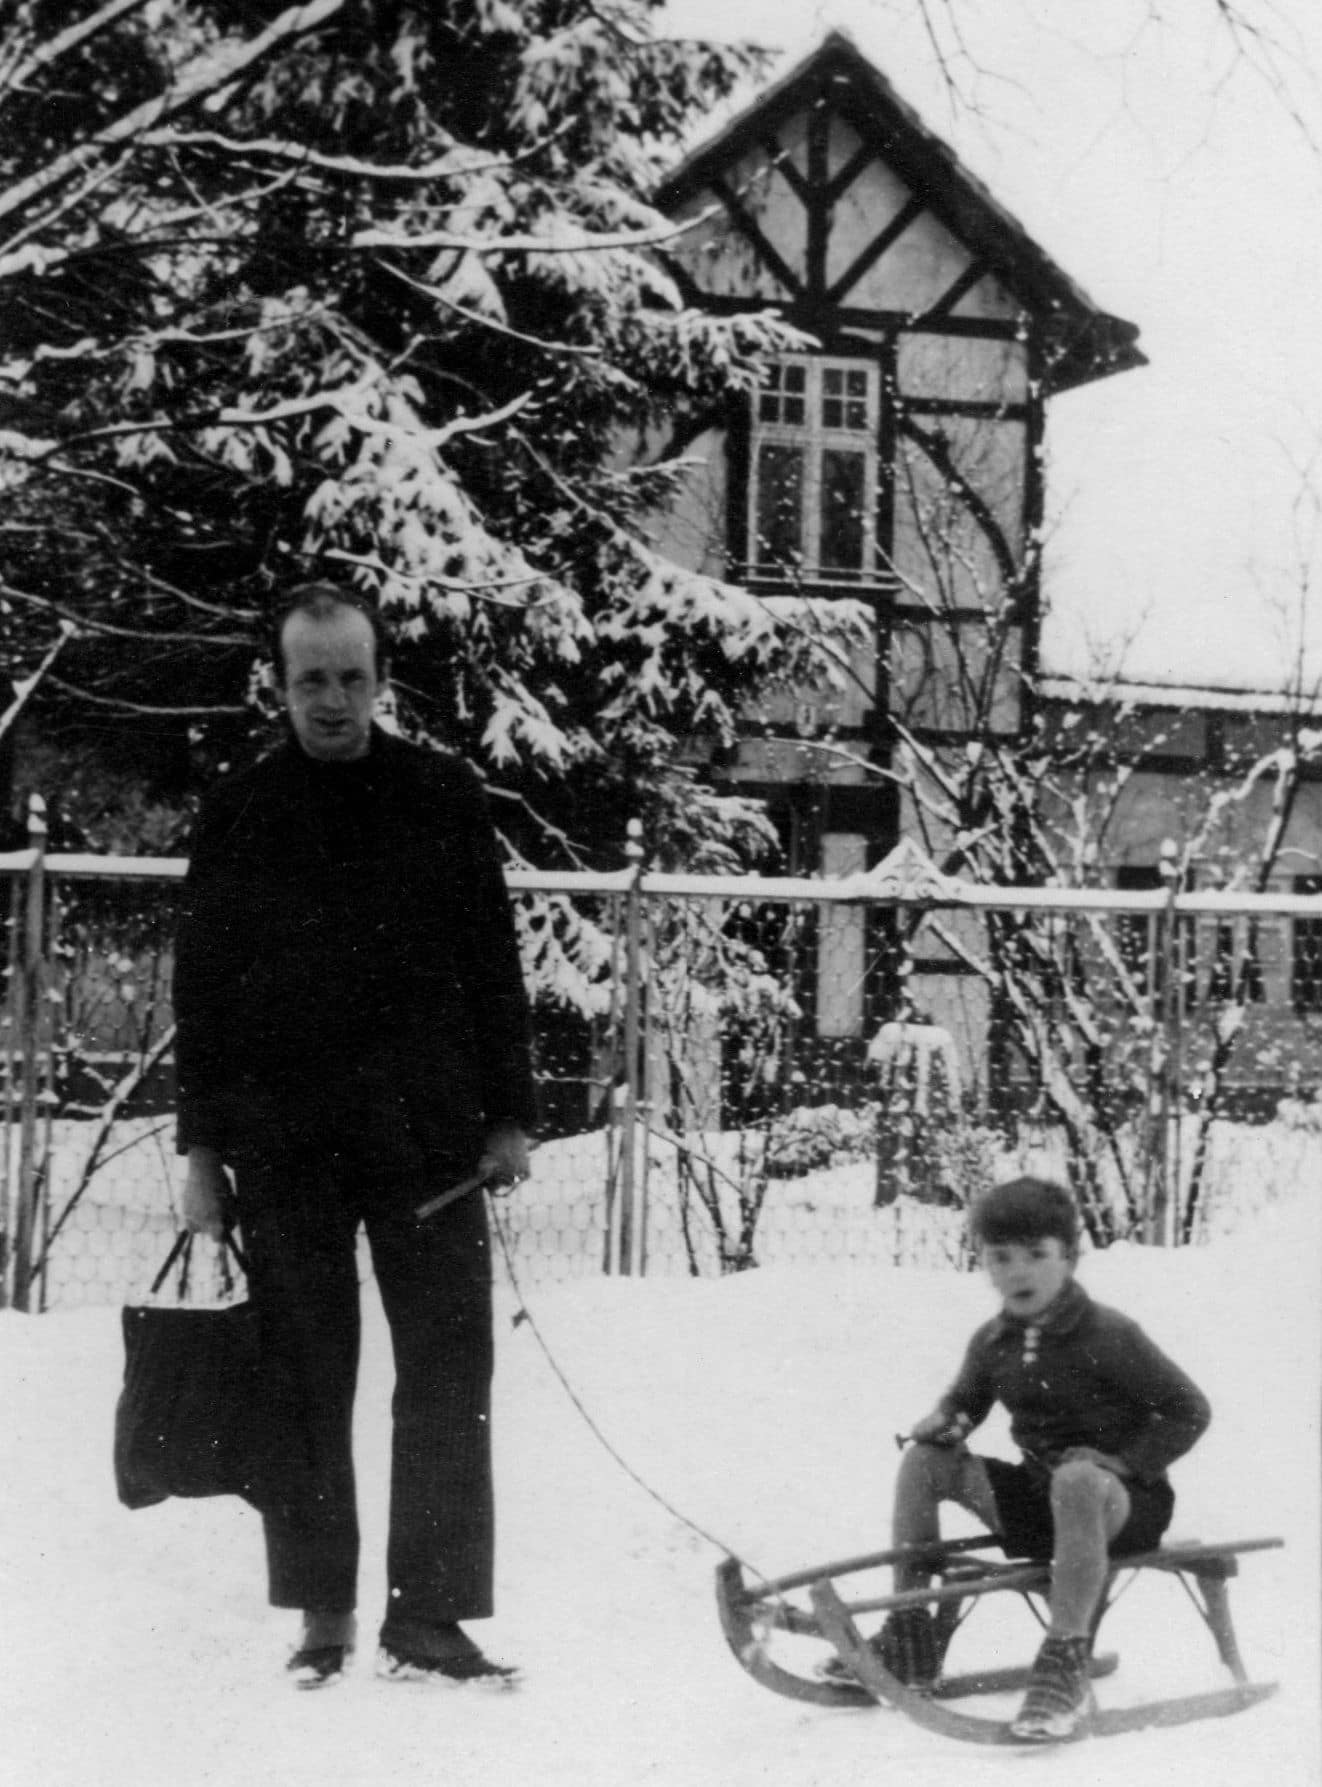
(137, 1648)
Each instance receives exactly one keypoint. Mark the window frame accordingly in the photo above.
(788, 413)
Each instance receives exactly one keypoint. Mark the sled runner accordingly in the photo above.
(752, 1614)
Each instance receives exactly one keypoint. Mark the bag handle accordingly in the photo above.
(183, 1250)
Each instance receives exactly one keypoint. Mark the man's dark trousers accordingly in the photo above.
(300, 1231)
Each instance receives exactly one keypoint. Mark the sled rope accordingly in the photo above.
(524, 1314)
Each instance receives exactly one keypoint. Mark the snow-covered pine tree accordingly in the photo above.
(373, 287)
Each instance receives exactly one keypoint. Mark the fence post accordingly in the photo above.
(626, 1251)
(27, 1017)
(13, 960)
(642, 1117)
(1166, 1189)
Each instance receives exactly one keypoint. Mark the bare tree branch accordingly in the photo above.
(86, 623)
(159, 709)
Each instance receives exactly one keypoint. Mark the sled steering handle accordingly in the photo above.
(951, 1435)
(442, 1198)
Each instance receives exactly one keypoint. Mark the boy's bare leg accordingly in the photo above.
(1089, 1506)
(930, 1475)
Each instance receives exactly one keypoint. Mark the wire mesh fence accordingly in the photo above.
(733, 1073)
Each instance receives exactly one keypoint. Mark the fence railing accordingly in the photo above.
(734, 1070)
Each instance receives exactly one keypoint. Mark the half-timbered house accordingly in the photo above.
(896, 460)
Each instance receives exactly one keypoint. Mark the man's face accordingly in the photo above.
(1027, 1275)
(331, 683)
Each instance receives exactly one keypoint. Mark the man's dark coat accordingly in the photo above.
(347, 979)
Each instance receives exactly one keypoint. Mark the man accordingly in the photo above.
(353, 1038)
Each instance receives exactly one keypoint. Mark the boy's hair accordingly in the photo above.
(1023, 1210)
(321, 600)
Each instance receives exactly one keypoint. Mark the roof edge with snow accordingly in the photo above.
(1124, 692)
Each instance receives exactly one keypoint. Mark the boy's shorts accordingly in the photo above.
(1023, 1505)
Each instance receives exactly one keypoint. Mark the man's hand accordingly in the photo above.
(207, 1204)
(507, 1155)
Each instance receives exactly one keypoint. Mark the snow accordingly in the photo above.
(761, 1409)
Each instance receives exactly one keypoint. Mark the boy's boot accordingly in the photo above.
(906, 1648)
(1057, 1699)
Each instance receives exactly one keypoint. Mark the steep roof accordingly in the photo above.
(1091, 343)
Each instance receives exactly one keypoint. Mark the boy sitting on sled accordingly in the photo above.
(1098, 1413)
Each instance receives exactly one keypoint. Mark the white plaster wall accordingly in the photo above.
(922, 264)
(1151, 807)
(962, 366)
(787, 760)
(941, 549)
(841, 943)
(918, 267)
(937, 671)
(719, 259)
(692, 531)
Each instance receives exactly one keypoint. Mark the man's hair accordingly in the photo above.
(319, 601)
(1025, 1210)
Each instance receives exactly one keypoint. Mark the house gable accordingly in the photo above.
(831, 199)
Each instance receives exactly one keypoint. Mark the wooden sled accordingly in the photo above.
(752, 1613)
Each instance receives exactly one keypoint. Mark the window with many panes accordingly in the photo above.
(1236, 971)
(812, 497)
(1306, 955)
(1144, 943)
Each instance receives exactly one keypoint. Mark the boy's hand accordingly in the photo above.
(941, 1429)
(1090, 1455)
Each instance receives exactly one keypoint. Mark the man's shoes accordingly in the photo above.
(408, 1666)
(444, 1654)
(905, 1647)
(324, 1650)
(1056, 1703)
(318, 1665)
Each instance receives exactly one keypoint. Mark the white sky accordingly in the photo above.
(1174, 185)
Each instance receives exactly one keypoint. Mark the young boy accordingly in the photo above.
(1098, 1413)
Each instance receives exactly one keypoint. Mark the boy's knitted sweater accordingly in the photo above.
(1084, 1376)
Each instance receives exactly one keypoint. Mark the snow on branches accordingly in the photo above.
(376, 289)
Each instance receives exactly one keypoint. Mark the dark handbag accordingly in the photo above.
(197, 1414)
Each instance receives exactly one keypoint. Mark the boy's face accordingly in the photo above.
(1028, 1275)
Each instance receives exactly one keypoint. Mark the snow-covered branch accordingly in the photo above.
(340, 401)
(484, 591)
(457, 163)
(16, 79)
(24, 688)
(438, 295)
(207, 75)
(565, 239)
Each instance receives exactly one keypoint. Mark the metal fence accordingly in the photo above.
(734, 1071)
